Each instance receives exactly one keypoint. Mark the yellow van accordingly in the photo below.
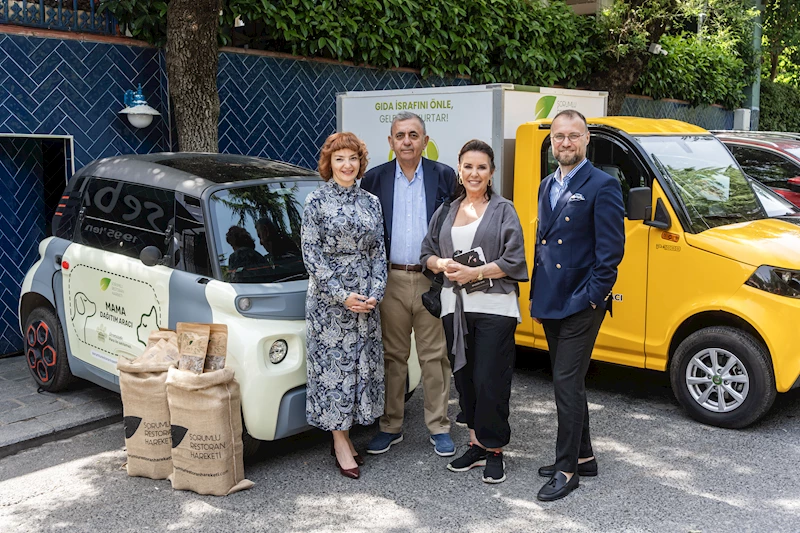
(709, 288)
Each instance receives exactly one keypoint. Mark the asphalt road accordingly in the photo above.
(659, 471)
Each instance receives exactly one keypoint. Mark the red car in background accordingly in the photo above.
(772, 158)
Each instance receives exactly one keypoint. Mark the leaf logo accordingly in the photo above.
(544, 106)
(430, 152)
(177, 433)
(131, 424)
(104, 283)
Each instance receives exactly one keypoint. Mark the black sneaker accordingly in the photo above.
(474, 456)
(495, 471)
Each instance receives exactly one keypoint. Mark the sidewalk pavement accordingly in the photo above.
(29, 418)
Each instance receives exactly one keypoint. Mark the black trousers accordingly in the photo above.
(484, 384)
(571, 341)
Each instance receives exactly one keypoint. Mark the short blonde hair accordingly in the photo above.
(342, 141)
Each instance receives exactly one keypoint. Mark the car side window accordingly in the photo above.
(767, 167)
(191, 251)
(612, 158)
(125, 218)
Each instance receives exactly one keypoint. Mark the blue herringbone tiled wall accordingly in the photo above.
(21, 228)
(61, 87)
(284, 108)
(708, 117)
(70, 87)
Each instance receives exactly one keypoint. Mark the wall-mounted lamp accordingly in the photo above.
(140, 115)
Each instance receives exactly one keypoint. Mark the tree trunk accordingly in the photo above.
(192, 58)
(619, 79)
(774, 58)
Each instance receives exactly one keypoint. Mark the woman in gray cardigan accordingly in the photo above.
(480, 303)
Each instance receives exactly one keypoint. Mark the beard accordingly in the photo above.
(567, 159)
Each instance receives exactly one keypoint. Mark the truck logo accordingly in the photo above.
(543, 106)
(104, 283)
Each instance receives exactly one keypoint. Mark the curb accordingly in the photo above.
(16, 447)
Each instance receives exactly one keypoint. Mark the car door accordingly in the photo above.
(113, 300)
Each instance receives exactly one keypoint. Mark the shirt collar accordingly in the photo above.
(571, 173)
(398, 172)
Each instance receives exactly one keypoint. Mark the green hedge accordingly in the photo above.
(698, 72)
(780, 107)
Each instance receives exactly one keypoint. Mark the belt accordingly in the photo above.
(407, 268)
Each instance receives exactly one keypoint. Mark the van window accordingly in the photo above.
(708, 184)
(609, 156)
(191, 253)
(257, 231)
(125, 218)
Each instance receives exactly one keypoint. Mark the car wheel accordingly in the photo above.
(250, 445)
(723, 377)
(46, 351)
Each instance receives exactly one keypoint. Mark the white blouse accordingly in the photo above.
(479, 301)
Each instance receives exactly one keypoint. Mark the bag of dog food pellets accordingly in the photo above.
(206, 417)
(146, 416)
(217, 348)
(192, 344)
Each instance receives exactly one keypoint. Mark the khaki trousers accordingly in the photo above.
(402, 311)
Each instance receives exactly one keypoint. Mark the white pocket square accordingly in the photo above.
(577, 197)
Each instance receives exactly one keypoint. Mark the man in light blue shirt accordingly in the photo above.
(410, 189)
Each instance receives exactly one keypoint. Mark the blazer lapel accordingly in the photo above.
(575, 183)
(387, 197)
(431, 182)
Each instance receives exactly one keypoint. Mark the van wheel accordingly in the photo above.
(250, 445)
(723, 377)
(46, 351)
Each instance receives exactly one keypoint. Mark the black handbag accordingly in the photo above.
(432, 300)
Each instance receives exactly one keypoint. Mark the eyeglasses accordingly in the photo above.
(559, 137)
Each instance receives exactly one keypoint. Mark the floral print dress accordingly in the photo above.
(343, 250)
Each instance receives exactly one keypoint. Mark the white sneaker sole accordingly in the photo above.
(395, 441)
(481, 462)
(440, 454)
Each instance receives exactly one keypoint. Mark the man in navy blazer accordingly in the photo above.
(580, 240)
(410, 189)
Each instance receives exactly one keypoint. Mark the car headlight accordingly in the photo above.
(278, 351)
(780, 281)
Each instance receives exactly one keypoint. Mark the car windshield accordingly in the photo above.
(711, 187)
(774, 204)
(257, 231)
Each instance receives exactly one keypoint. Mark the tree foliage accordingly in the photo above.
(780, 107)
(781, 32)
(519, 41)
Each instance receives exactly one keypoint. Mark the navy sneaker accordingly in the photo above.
(383, 441)
(474, 456)
(443, 444)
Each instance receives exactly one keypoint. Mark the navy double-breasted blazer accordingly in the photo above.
(439, 180)
(579, 244)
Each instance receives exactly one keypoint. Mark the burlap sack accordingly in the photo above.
(206, 416)
(146, 417)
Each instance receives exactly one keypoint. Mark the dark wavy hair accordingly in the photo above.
(342, 141)
(474, 145)
(239, 238)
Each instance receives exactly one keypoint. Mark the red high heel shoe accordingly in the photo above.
(352, 473)
(357, 457)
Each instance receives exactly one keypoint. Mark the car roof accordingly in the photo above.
(191, 172)
(642, 126)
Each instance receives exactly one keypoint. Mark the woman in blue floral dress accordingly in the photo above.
(343, 250)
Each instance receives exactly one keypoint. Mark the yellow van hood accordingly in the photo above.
(761, 242)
